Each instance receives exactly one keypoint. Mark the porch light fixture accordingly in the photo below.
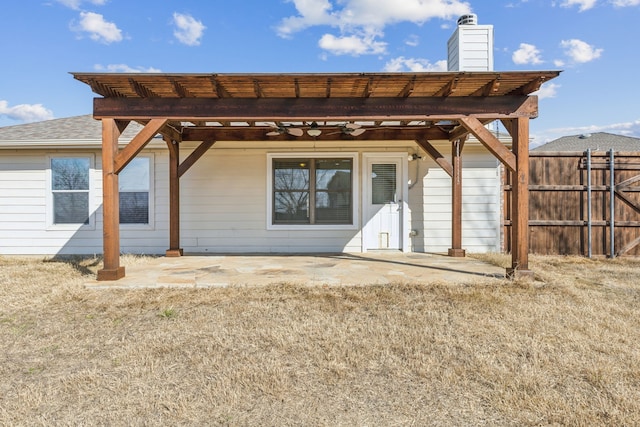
(314, 130)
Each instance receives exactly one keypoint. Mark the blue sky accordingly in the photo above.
(594, 42)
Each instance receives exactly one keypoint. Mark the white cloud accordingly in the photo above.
(527, 54)
(580, 51)
(582, 4)
(364, 18)
(351, 45)
(25, 112)
(414, 64)
(124, 68)
(412, 40)
(548, 90)
(625, 3)
(75, 4)
(188, 30)
(98, 29)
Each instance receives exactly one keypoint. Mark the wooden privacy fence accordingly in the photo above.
(572, 199)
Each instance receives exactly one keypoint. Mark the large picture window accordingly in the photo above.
(133, 184)
(70, 190)
(312, 191)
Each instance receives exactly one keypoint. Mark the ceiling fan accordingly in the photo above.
(352, 129)
(279, 129)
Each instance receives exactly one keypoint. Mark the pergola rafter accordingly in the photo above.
(420, 107)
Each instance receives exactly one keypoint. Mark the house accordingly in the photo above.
(239, 199)
(208, 163)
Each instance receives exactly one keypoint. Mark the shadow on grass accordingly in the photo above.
(86, 265)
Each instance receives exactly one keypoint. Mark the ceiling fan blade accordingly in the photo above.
(357, 132)
(352, 126)
(274, 133)
(295, 131)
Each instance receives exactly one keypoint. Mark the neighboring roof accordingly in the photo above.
(330, 85)
(70, 131)
(79, 127)
(599, 141)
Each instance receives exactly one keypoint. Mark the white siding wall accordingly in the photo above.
(470, 48)
(431, 205)
(24, 190)
(224, 210)
(223, 207)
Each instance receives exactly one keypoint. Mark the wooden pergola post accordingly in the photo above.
(456, 200)
(110, 203)
(519, 129)
(174, 199)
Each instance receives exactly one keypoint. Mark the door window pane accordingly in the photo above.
(383, 183)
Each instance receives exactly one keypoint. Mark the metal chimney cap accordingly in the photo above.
(469, 19)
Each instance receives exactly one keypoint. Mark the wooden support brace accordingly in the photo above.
(436, 156)
(136, 145)
(492, 143)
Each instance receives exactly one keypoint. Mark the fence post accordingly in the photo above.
(589, 213)
(612, 200)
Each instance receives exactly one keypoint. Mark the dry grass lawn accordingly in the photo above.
(562, 350)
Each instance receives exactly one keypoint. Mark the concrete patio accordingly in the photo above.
(203, 271)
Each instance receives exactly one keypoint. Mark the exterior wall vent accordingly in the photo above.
(470, 19)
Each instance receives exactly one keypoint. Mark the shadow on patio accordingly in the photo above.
(313, 269)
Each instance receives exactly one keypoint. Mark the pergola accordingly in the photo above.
(420, 107)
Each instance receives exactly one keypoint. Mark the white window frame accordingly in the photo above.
(355, 193)
(49, 202)
(151, 224)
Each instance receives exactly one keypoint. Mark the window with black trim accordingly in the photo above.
(312, 191)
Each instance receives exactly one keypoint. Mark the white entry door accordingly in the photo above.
(383, 204)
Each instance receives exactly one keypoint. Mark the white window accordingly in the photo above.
(134, 184)
(311, 191)
(70, 190)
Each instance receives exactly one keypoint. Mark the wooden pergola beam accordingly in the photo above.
(330, 133)
(316, 109)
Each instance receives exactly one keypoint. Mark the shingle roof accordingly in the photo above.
(600, 141)
(75, 128)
